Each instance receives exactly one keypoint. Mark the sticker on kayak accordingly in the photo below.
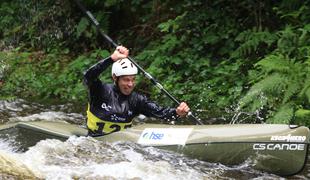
(164, 136)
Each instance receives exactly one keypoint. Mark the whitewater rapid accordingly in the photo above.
(25, 156)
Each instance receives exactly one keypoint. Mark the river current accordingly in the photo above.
(22, 157)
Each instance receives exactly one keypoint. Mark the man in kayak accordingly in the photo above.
(112, 107)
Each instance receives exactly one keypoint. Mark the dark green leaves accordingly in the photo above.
(246, 56)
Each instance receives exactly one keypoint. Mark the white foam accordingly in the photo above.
(11, 105)
(87, 158)
(48, 116)
(12, 164)
(5, 146)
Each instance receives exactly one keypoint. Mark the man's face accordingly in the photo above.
(126, 84)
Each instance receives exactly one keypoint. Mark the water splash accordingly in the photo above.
(242, 116)
(87, 158)
(12, 167)
(7, 145)
(21, 110)
(49, 116)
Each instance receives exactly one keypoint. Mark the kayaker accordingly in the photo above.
(112, 107)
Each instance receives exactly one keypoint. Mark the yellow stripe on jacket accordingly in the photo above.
(98, 125)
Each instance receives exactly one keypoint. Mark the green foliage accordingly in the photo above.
(280, 85)
(3, 65)
(302, 117)
(254, 42)
(37, 75)
(82, 26)
(51, 26)
(208, 53)
(283, 115)
(186, 59)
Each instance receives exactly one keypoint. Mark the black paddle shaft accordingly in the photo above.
(147, 75)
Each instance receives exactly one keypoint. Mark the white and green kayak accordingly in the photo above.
(278, 149)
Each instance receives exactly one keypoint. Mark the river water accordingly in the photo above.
(22, 157)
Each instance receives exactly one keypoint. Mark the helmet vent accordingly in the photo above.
(124, 67)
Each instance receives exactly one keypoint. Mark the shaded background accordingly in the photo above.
(248, 59)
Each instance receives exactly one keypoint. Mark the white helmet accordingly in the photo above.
(124, 67)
